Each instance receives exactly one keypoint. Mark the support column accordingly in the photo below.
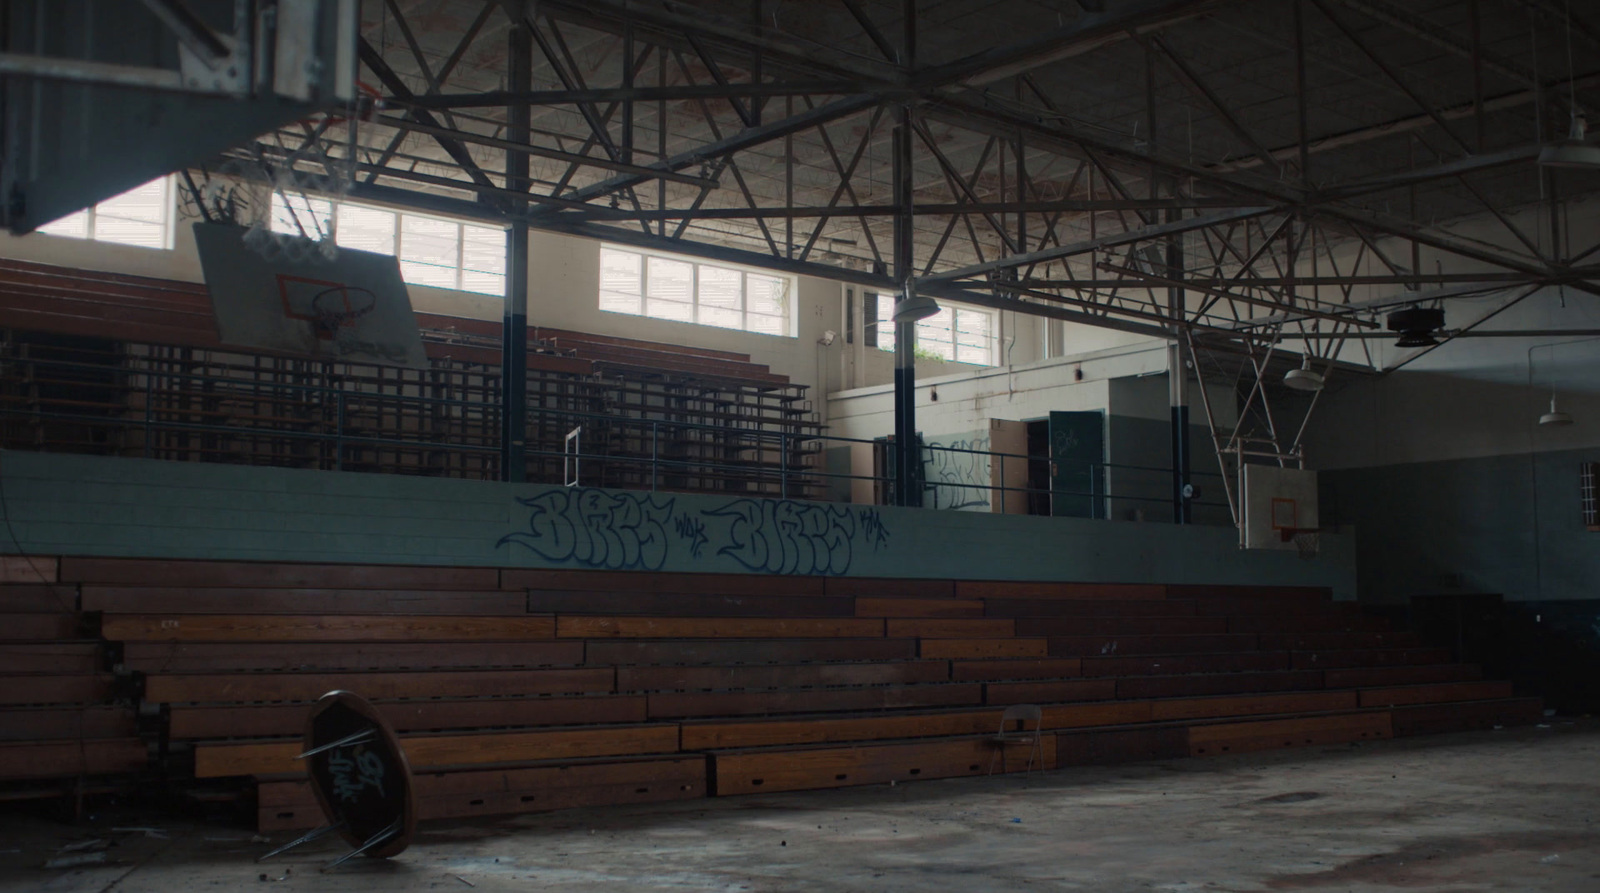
(514, 327)
(907, 456)
(1178, 385)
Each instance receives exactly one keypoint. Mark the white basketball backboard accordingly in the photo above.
(353, 306)
(1275, 500)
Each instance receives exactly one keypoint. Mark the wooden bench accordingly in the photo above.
(202, 721)
(286, 805)
(322, 627)
(222, 600)
(190, 657)
(221, 760)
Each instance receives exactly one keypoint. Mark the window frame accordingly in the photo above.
(883, 330)
(168, 222)
(790, 287)
(397, 239)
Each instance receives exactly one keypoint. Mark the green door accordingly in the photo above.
(1077, 469)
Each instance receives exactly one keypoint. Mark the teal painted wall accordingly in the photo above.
(1510, 525)
(80, 505)
(1147, 443)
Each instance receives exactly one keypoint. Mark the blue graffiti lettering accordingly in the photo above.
(694, 530)
(872, 528)
(783, 536)
(596, 528)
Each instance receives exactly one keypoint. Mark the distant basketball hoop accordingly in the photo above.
(339, 307)
(1307, 541)
(353, 307)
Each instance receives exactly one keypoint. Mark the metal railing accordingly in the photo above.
(136, 408)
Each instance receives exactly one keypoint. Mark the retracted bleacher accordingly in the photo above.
(127, 365)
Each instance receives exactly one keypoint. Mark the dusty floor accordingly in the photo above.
(1509, 810)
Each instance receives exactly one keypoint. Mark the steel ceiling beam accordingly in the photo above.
(1062, 251)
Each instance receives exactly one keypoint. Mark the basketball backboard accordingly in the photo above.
(1277, 499)
(352, 306)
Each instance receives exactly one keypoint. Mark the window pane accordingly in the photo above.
(885, 322)
(617, 302)
(428, 251)
(767, 294)
(147, 203)
(483, 249)
(136, 217)
(312, 214)
(669, 280)
(936, 333)
(73, 225)
(620, 271)
(483, 259)
(366, 229)
(129, 232)
(974, 337)
(720, 300)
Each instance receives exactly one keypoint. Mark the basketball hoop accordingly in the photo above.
(338, 307)
(1307, 540)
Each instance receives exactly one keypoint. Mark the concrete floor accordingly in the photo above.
(1508, 810)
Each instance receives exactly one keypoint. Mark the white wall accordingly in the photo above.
(966, 402)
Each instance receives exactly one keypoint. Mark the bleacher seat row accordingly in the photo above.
(519, 690)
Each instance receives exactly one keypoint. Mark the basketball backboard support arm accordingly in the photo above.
(101, 97)
(1258, 430)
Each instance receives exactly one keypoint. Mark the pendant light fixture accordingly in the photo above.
(1304, 378)
(1555, 417)
(1574, 151)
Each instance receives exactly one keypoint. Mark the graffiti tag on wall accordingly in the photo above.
(626, 531)
(596, 528)
(783, 536)
(958, 480)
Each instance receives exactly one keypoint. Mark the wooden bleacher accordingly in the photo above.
(522, 690)
(63, 729)
(129, 365)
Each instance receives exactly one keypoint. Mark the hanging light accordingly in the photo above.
(1304, 378)
(1555, 417)
(1572, 152)
(914, 308)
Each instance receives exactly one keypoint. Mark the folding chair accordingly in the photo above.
(1020, 715)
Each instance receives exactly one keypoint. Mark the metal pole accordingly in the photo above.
(1178, 386)
(655, 452)
(514, 334)
(783, 465)
(905, 333)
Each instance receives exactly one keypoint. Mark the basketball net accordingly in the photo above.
(307, 183)
(1307, 542)
(336, 311)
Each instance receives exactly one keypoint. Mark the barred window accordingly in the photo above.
(683, 290)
